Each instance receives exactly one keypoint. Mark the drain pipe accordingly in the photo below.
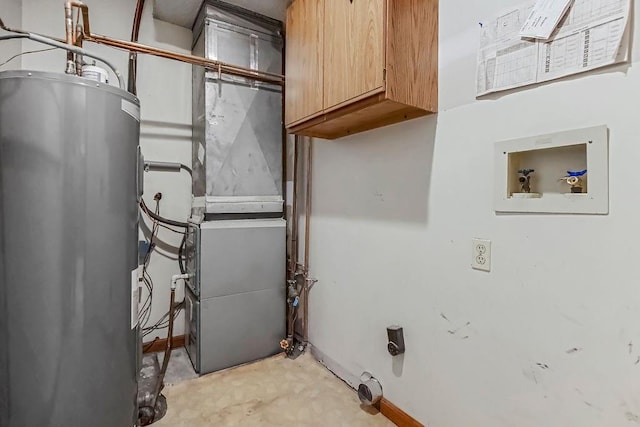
(167, 351)
(293, 293)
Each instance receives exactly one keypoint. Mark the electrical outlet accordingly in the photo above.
(481, 254)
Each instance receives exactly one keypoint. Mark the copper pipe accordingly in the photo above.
(68, 26)
(85, 15)
(190, 59)
(134, 47)
(78, 42)
(293, 265)
(307, 227)
(74, 63)
(68, 23)
(292, 314)
(78, 29)
(307, 210)
(133, 56)
(79, 36)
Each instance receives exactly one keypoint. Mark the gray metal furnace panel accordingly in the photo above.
(239, 155)
(237, 329)
(192, 328)
(192, 258)
(241, 256)
(68, 245)
(235, 303)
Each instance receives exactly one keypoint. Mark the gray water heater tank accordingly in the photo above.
(68, 232)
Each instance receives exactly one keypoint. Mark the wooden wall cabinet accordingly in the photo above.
(355, 65)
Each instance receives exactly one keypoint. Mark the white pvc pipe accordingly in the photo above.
(176, 278)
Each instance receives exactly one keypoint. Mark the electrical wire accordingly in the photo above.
(145, 312)
(25, 53)
(163, 322)
(149, 345)
(157, 217)
(183, 269)
(169, 228)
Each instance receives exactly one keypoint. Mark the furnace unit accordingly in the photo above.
(235, 302)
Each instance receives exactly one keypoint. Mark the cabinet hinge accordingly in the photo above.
(384, 74)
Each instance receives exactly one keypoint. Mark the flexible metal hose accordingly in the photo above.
(167, 352)
(70, 48)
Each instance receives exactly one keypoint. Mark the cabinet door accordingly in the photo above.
(304, 79)
(353, 49)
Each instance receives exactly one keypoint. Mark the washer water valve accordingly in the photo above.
(396, 340)
(574, 179)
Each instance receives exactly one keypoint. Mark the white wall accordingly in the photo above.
(394, 211)
(164, 89)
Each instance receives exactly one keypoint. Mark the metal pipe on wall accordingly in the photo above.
(133, 56)
(63, 46)
(294, 211)
(307, 210)
(68, 25)
(307, 226)
(293, 290)
(134, 47)
(78, 42)
(11, 30)
(190, 59)
(85, 16)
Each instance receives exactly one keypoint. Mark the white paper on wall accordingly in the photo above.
(593, 34)
(544, 18)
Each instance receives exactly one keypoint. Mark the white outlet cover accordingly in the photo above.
(481, 254)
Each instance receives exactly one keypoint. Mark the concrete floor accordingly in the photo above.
(180, 368)
(271, 392)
